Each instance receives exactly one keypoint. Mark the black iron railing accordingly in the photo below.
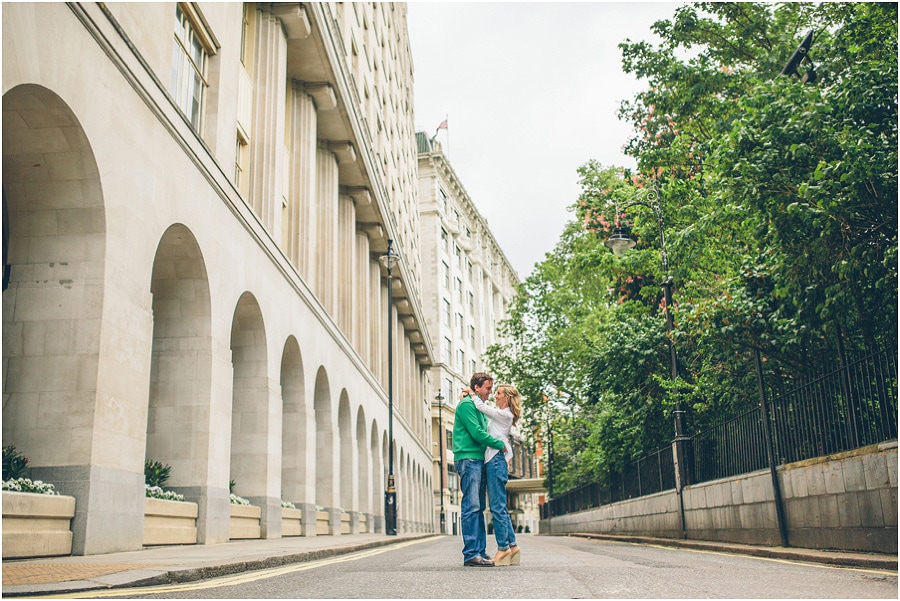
(646, 476)
(850, 406)
(847, 406)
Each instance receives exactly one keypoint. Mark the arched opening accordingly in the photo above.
(249, 413)
(181, 360)
(295, 432)
(377, 482)
(345, 431)
(53, 297)
(325, 455)
(362, 463)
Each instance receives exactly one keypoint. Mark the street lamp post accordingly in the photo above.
(620, 243)
(390, 493)
(440, 401)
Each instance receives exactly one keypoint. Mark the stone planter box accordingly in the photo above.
(244, 522)
(290, 522)
(345, 523)
(363, 524)
(169, 522)
(322, 522)
(37, 525)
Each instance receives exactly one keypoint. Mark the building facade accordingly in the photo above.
(195, 199)
(468, 286)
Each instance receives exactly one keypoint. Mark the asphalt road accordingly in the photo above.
(551, 568)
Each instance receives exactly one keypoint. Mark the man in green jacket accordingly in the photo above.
(470, 440)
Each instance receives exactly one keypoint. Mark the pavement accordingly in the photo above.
(177, 564)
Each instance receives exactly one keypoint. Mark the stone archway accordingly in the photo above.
(345, 433)
(363, 505)
(326, 464)
(178, 422)
(255, 471)
(295, 426)
(67, 405)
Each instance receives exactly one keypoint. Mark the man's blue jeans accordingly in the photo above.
(473, 486)
(497, 474)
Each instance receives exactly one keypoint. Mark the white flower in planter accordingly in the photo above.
(26, 485)
(236, 500)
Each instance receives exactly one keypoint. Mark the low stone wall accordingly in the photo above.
(845, 501)
(37, 525)
(244, 522)
(652, 515)
(169, 522)
(291, 522)
(322, 522)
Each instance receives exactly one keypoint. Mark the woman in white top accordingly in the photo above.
(500, 421)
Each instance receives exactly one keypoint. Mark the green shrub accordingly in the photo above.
(14, 463)
(156, 473)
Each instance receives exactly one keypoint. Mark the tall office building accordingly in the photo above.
(468, 286)
(196, 197)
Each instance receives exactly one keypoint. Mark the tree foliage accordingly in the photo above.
(779, 206)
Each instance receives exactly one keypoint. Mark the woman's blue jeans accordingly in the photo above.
(472, 486)
(497, 474)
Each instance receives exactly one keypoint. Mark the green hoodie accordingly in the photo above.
(470, 436)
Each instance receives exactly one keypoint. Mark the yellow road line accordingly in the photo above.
(228, 580)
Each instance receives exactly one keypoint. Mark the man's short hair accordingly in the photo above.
(479, 378)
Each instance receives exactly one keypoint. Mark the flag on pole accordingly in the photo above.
(443, 125)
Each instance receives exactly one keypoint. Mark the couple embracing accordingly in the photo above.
(482, 450)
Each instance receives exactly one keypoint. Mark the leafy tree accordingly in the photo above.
(779, 206)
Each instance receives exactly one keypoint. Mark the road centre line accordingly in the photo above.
(227, 580)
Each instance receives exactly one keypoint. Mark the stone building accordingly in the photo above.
(195, 199)
(468, 286)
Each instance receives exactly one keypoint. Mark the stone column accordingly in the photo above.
(362, 298)
(267, 130)
(326, 280)
(346, 238)
(301, 231)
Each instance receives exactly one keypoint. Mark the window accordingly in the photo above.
(448, 434)
(241, 160)
(469, 268)
(443, 200)
(472, 335)
(471, 303)
(446, 269)
(188, 68)
(446, 312)
(448, 350)
(461, 359)
(472, 366)
(245, 31)
(444, 240)
(459, 325)
(459, 294)
(458, 254)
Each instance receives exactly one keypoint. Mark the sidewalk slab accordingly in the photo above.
(177, 564)
(850, 559)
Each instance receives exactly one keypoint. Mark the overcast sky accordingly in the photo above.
(531, 92)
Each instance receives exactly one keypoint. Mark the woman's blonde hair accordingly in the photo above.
(515, 401)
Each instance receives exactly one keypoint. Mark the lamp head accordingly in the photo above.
(390, 259)
(620, 242)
